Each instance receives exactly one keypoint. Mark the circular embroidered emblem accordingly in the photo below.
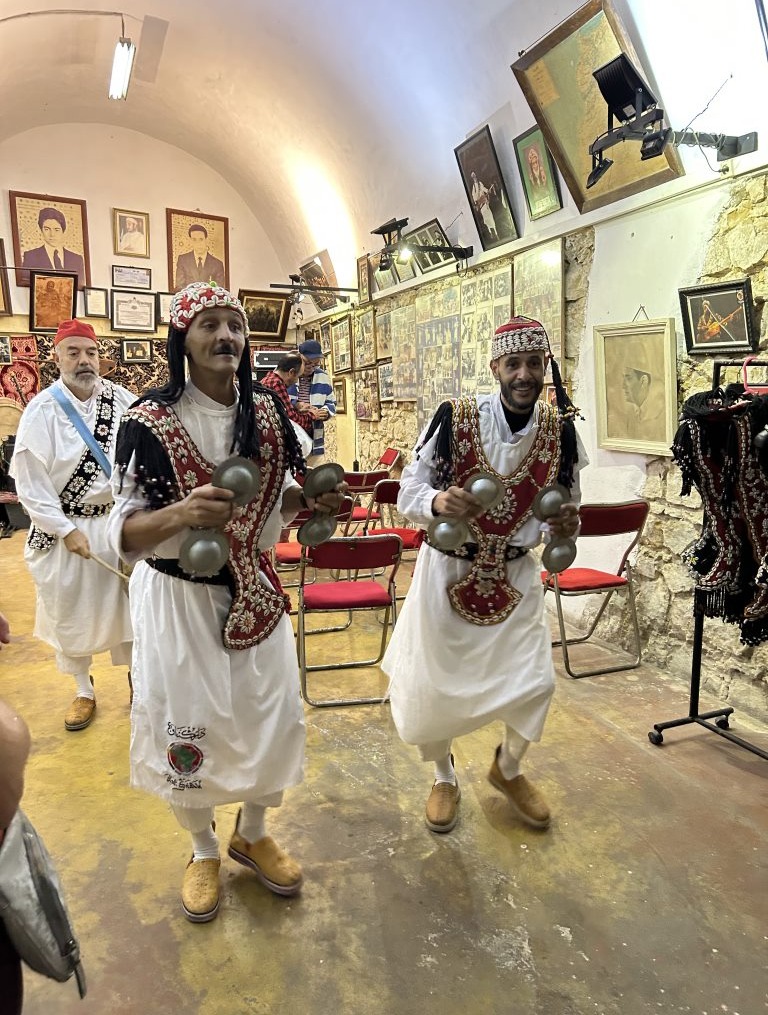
(184, 758)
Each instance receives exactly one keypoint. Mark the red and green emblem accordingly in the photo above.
(184, 758)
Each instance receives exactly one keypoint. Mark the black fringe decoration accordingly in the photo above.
(442, 422)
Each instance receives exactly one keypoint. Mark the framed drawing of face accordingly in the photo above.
(52, 299)
(537, 174)
(49, 234)
(718, 318)
(130, 233)
(267, 314)
(486, 192)
(198, 248)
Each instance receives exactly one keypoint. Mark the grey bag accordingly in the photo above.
(32, 907)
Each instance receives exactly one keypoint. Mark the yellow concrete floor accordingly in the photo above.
(648, 894)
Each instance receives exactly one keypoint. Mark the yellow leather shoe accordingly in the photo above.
(80, 713)
(442, 811)
(272, 866)
(524, 799)
(200, 890)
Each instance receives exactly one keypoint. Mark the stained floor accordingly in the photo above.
(648, 894)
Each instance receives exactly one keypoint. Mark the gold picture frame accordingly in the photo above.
(130, 233)
(636, 386)
(198, 248)
(555, 76)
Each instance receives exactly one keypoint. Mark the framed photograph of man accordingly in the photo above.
(340, 394)
(52, 299)
(636, 386)
(6, 309)
(5, 350)
(267, 314)
(486, 192)
(363, 279)
(537, 174)
(49, 234)
(431, 234)
(198, 248)
(133, 310)
(341, 342)
(718, 318)
(95, 302)
(130, 233)
(135, 350)
(365, 339)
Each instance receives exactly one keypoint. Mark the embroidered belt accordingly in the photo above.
(86, 510)
(171, 567)
(468, 551)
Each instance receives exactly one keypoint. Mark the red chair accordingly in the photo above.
(347, 556)
(388, 460)
(287, 554)
(361, 484)
(382, 509)
(627, 519)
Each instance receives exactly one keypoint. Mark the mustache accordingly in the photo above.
(225, 349)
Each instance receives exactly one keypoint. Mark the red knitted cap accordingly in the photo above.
(74, 329)
(520, 334)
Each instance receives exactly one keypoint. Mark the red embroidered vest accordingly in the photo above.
(485, 596)
(256, 609)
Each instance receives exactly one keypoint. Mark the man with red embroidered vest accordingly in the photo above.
(472, 644)
(64, 484)
(216, 714)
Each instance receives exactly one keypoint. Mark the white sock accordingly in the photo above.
(84, 685)
(252, 825)
(205, 844)
(198, 821)
(444, 770)
(511, 754)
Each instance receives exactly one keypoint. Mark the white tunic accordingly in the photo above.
(234, 715)
(82, 608)
(449, 676)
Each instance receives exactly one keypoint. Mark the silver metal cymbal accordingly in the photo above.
(549, 500)
(558, 555)
(204, 552)
(487, 488)
(317, 529)
(322, 479)
(448, 533)
(241, 476)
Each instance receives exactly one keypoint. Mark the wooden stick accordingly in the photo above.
(109, 567)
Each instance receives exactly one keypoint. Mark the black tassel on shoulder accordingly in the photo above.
(442, 424)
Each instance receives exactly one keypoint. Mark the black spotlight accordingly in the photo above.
(599, 168)
(625, 92)
(653, 144)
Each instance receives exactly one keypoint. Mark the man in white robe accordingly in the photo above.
(463, 653)
(217, 716)
(82, 608)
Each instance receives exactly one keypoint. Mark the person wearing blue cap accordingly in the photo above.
(313, 393)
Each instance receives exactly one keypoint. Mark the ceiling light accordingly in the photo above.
(122, 65)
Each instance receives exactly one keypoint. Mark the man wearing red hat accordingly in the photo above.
(62, 462)
(472, 644)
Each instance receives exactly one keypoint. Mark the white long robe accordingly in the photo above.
(82, 608)
(240, 709)
(449, 676)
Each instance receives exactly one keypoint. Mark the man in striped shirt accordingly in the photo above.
(285, 375)
(314, 392)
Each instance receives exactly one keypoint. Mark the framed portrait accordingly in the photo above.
(537, 285)
(367, 394)
(325, 339)
(133, 310)
(198, 248)
(718, 318)
(163, 310)
(95, 302)
(135, 350)
(6, 309)
(127, 276)
(364, 353)
(267, 314)
(340, 394)
(5, 350)
(318, 271)
(549, 393)
(363, 279)
(52, 299)
(386, 382)
(341, 343)
(537, 174)
(431, 234)
(130, 233)
(636, 386)
(486, 192)
(49, 234)
(555, 76)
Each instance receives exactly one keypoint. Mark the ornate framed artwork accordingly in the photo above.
(430, 234)
(267, 314)
(537, 279)
(486, 191)
(341, 343)
(127, 276)
(135, 350)
(6, 309)
(49, 234)
(367, 394)
(95, 302)
(163, 310)
(364, 354)
(637, 407)
(386, 382)
(718, 318)
(133, 310)
(316, 272)
(198, 248)
(363, 279)
(340, 395)
(555, 76)
(130, 233)
(537, 174)
(52, 299)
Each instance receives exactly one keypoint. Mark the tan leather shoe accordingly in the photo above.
(80, 713)
(525, 800)
(200, 890)
(271, 865)
(442, 811)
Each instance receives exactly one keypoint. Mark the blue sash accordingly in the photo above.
(79, 425)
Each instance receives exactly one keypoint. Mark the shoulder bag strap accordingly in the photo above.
(79, 425)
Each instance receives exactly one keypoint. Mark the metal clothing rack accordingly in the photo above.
(721, 716)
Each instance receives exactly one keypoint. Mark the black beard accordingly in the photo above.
(513, 397)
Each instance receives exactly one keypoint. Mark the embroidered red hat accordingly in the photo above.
(520, 334)
(74, 329)
(199, 296)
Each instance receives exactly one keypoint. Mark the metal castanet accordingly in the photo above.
(448, 533)
(321, 526)
(560, 552)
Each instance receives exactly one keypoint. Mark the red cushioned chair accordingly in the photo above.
(349, 557)
(626, 519)
(389, 459)
(382, 506)
(287, 554)
(360, 485)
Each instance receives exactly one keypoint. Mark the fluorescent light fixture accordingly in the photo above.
(122, 65)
